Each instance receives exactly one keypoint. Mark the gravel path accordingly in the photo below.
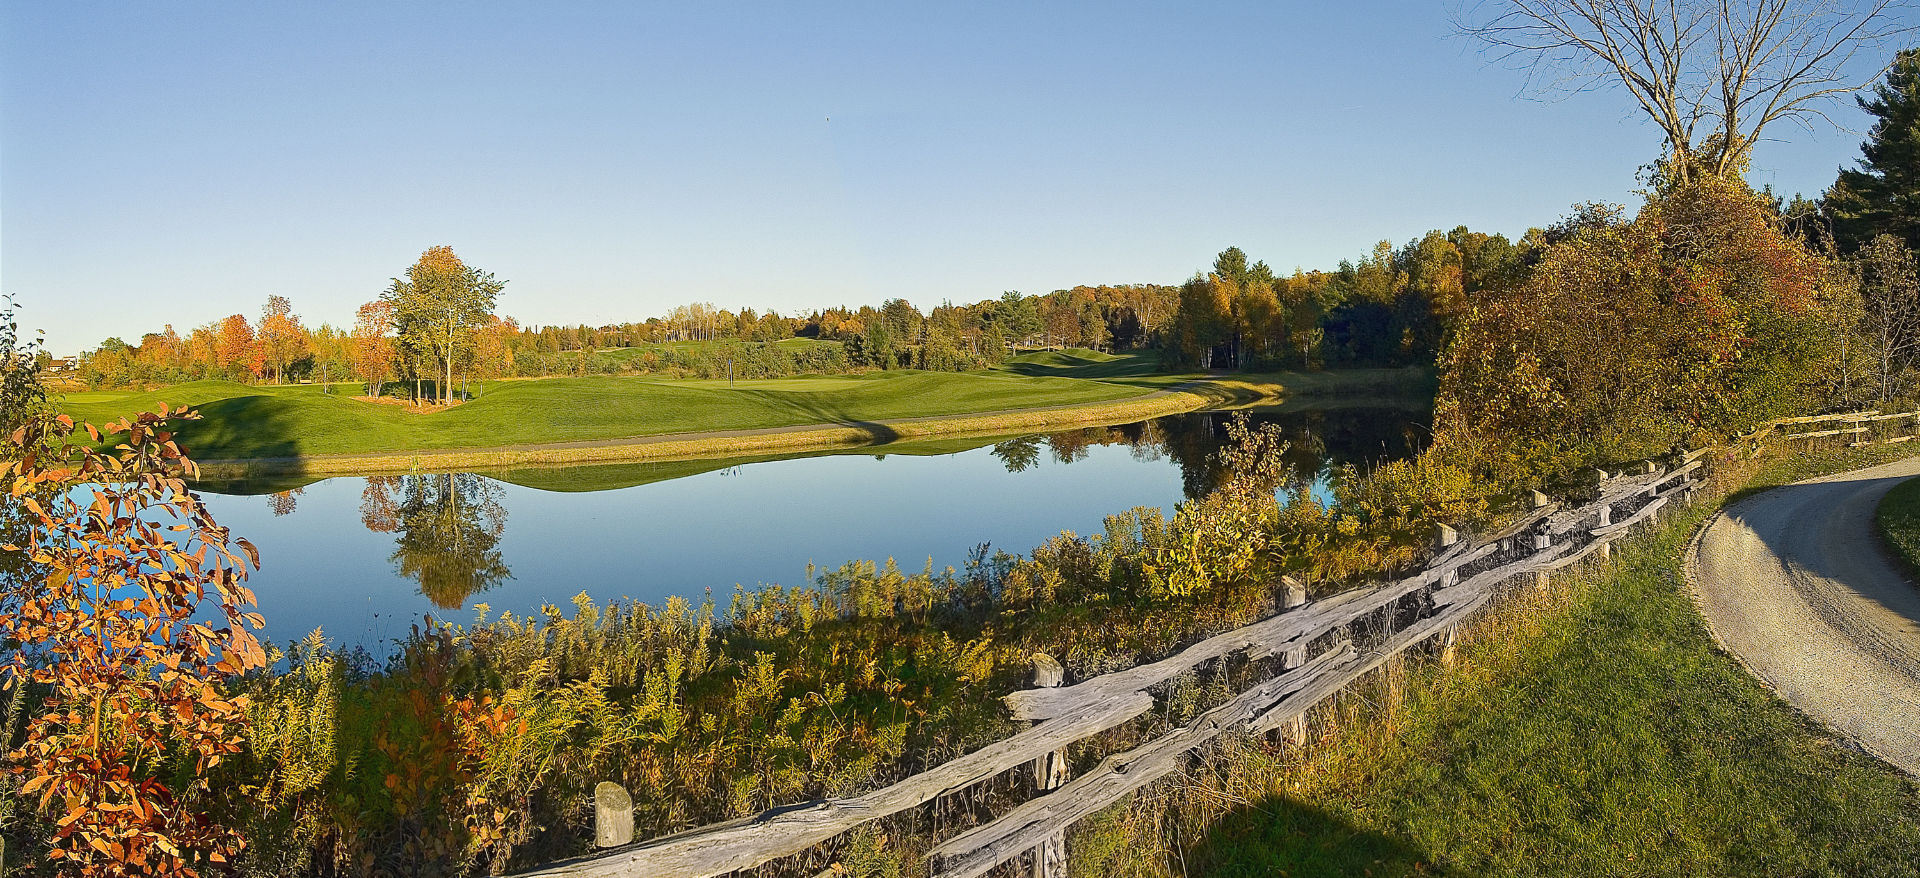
(1793, 581)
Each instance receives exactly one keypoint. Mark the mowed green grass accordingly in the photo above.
(1359, 387)
(1898, 520)
(244, 422)
(620, 354)
(1615, 739)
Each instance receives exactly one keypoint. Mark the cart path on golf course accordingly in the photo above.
(1794, 582)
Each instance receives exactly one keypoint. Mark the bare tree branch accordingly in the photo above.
(1736, 65)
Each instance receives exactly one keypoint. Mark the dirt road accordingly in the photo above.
(1794, 582)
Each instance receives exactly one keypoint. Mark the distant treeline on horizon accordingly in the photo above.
(1385, 309)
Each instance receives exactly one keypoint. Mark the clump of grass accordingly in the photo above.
(1898, 520)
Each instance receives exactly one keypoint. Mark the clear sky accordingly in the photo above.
(177, 162)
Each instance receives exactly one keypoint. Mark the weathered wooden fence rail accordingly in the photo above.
(1462, 577)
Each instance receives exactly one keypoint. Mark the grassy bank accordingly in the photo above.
(242, 421)
(1898, 520)
(512, 417)
(1592, 730)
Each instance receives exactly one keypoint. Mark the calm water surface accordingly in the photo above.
(364, 559)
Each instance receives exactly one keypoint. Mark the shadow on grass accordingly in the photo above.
(1283, 837)
(245, 426)
(1066, 364)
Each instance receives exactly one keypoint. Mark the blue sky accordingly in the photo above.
(175, 163)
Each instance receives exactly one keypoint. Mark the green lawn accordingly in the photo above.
(1604, 736)
(1898, 520)
(1366, 387)
(242, 421)
(1083, 363)
(618, 355)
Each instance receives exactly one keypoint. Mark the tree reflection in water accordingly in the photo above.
(449, 527)
(1019, 455)
(1317, 442)
(282, 503)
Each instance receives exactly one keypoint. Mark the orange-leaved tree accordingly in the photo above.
(142, 622)
(373, 354)
(239, 351)
(281, 338)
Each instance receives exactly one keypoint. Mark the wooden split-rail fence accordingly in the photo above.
(1316, 649)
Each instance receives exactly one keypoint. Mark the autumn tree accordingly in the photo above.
(330, 352)
(281, 338)
(1713, 75)
(493, 348)
(1231, 317)
(438, 307)
(372, 345)
(203, 351)
(1882, 195)
(141, 625)
(239, 354)
(162, 355)
(1695, 318)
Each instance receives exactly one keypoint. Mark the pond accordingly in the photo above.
(365, 558)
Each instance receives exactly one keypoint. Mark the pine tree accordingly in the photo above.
(1882, 196)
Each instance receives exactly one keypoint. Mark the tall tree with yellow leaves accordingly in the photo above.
(438, 307)
(282, 339)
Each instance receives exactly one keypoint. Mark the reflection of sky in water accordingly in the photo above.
(750, 524)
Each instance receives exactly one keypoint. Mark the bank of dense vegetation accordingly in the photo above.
(1612, 335)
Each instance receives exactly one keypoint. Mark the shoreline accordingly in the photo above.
(734, 443)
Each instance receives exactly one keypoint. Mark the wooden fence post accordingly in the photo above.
(612, 815)
(1293, 595)
(1050, 773)
(1606, 517)
(1447, 537)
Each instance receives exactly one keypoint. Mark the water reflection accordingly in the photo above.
(364, 558)
(449, 527)
(1317, 444)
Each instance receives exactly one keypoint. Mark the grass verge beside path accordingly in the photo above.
(1898, 520)
(1595, 729)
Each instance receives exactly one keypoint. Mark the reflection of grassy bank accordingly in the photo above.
(576, 479)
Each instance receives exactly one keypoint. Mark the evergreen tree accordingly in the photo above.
(1882, 196)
